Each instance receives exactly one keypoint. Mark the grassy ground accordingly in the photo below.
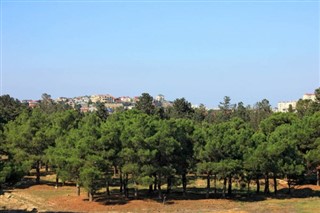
(307, 205)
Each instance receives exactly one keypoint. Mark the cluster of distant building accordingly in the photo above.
(89, 103)
(284, 106)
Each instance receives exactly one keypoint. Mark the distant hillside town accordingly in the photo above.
(89, 103)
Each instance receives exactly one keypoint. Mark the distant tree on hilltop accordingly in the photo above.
(145, 104)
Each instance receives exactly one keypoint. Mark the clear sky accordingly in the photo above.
(200, 50)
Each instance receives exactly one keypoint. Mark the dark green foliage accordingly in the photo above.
(64, 125)
(283, 153)
(308, 107)
(10, 108)
(242, 112)
(152, 147)
(48, 106)
(27, 138)
(226, 109)
(181, 109)
(271, 123)
(261, 110)
(317, 93)
(200, 113)
(145, 104)
(304, 107)
(102, 111)
(138, 155)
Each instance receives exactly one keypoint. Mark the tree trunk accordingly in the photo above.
(126, 189)
(150, 188)
(289, 185)
(90, 196)
(57, 181)
(38, 172)
(121, 182)
(159, 187)
(115, 171)
(135, 189)
(318, 177)
(224, 187)
(208, 186)
(229, 185)
(258, 185)
(215, 184)
(107, 188)
(169, 184)
(78, 189)
(184, 184)
(275, 184)
(47, 167)
(266, 185)
(155, 183)
(248, 187)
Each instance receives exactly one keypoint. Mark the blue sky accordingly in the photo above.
(203, 51)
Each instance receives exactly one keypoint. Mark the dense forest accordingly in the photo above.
(161, 147)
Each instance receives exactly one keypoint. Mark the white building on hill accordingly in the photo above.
(309, 97)
(283, 106)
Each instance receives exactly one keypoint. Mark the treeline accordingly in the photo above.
(156, 147)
